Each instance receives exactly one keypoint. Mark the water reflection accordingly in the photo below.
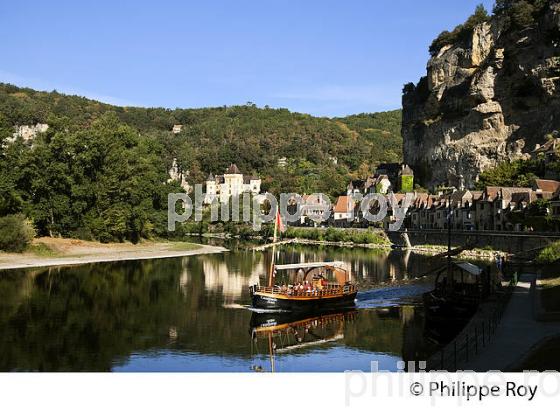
(230, 275)
(287, 332)
(187, 314)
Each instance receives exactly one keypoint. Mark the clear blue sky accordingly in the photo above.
(323, 57)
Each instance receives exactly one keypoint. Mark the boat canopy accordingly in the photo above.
(469, 268)
(310, 265)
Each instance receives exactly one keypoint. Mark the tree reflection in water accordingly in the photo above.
(108, 316)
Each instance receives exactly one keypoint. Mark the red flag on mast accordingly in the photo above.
(279, 223)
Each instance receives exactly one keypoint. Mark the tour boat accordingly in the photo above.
(315, 285)
(308, 286)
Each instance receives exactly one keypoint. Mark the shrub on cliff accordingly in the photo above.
(462, 32)
(518, 14)
(517, 173)
(15, 233)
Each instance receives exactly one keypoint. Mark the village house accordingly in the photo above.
(177, 128)
(314, 208)
(468, 210)
(390, 218)
(231, 183)
(555, 204)
(546, 186)
(417, 212)
(495, 208)
(502, 205)
(356, 187)
(392, 177)
(343, 211)
(460, 203)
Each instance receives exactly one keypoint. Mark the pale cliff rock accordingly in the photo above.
(488, 99)
(28, 132)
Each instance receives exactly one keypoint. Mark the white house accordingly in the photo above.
(231, 183)
(314, 208)
(343, 210)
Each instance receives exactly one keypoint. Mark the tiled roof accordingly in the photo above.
(406, 170)
(248, 178)
(547, 185)
(343, 204)
(491, 193)
(476, 195)
(507, 192)
(233, 169)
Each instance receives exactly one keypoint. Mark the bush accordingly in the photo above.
(549, 254)
(16, 233)
(519, 14)
(462, 32)
(338, 235)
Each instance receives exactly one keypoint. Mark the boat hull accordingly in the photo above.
(278, 302)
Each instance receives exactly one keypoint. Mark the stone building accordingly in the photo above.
(231, 183)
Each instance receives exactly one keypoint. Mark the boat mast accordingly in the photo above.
(449, 266)
(271, 272)
(271, 351)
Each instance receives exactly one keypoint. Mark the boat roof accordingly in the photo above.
(469, 267)
(310, 265)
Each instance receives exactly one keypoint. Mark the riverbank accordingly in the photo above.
(476, 253)
(482, 254)
(45, 252)
(352, 238)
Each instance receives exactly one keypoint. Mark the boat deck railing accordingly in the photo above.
(328, 290)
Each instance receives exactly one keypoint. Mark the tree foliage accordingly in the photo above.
(100, 171)
(518, 14)
(15, 233)
(462, 32)
(518, 173)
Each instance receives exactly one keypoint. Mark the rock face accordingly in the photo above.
(29, 132)
(488, 99)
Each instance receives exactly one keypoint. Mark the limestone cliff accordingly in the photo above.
(487, 98)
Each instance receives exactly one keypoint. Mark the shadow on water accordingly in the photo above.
(188, 314)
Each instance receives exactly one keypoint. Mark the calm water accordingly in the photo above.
(190, 314)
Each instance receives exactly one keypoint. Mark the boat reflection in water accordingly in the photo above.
(287, 332)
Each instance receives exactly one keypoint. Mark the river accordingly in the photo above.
(191, 314)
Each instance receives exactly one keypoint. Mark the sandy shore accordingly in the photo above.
(57, 251)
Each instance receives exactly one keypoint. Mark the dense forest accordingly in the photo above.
(100, 171)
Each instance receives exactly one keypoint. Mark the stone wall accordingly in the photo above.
(511, 242)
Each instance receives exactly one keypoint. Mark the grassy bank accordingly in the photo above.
(356, 236)
(245, 231)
